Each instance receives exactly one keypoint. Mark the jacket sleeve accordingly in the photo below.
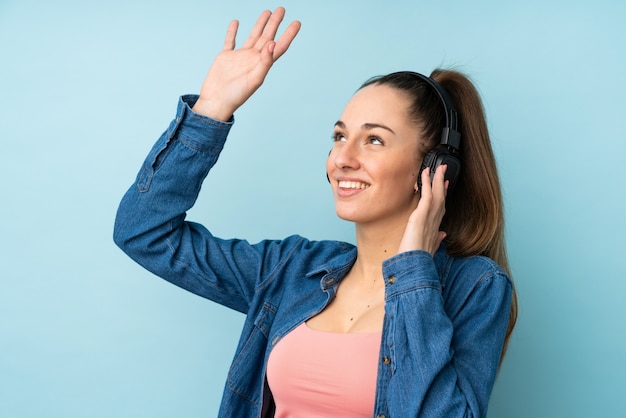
(451, 329)
(150, 225)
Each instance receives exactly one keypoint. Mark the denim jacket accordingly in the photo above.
(445, 318)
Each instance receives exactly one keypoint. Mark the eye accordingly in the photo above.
(374, 140)
(339, 137)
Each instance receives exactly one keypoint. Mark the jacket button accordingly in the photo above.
(392, 279)
(386, 360)
(380, 416)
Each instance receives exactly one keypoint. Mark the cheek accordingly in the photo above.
(402, 182)
(413, 169)
(404, 171)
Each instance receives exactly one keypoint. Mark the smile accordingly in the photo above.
(353, 185)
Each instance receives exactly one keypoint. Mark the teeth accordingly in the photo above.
(353, 185)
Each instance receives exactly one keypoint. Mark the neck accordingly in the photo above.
(375, 244)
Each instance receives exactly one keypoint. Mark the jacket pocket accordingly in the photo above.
(246, 377)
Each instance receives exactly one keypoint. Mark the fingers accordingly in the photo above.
(231, 35)
(264, 32)
(432, 203)
(265, 28)
(257, 30)
(271, 28)
(438, 186)
(286, 38)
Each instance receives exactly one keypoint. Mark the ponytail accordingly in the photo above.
(474, 221)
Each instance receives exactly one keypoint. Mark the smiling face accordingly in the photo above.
(375, 159)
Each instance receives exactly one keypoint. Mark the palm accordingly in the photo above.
(236, 74)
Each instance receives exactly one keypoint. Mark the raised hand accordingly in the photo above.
(237, 73)
(422, 230)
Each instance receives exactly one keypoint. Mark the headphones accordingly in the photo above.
(449, 153)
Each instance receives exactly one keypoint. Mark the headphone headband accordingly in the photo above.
(450, 135)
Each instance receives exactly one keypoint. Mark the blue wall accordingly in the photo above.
(86, 87)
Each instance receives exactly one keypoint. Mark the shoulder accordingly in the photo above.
(300, 244)
(479, 266)
(308, 254)
(466, 275)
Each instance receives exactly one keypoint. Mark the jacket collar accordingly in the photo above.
(335, 268)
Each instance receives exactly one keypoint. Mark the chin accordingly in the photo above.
(352, 216)
(359, 214)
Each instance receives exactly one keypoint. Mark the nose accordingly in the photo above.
(344, 155)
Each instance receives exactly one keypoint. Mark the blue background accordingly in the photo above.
(87, 87)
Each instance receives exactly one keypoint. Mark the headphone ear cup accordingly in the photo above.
(328, 178)
(435, 158)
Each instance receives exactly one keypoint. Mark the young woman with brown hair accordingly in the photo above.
(409, 322)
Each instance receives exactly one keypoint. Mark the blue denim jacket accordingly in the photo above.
(445, 318)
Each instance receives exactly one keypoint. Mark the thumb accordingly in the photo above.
(440, 237)
(266, 60)
(267, 55)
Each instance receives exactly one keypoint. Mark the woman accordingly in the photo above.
(412, 320)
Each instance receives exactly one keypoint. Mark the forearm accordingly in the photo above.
(150, 219)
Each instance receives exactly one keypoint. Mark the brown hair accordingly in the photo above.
(474, 220)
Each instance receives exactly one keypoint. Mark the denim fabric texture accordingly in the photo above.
(445, 317)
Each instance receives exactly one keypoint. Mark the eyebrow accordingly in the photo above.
(366, 126)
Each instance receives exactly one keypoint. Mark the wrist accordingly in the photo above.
(213, 109)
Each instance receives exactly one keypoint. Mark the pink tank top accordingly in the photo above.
(323, 374)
